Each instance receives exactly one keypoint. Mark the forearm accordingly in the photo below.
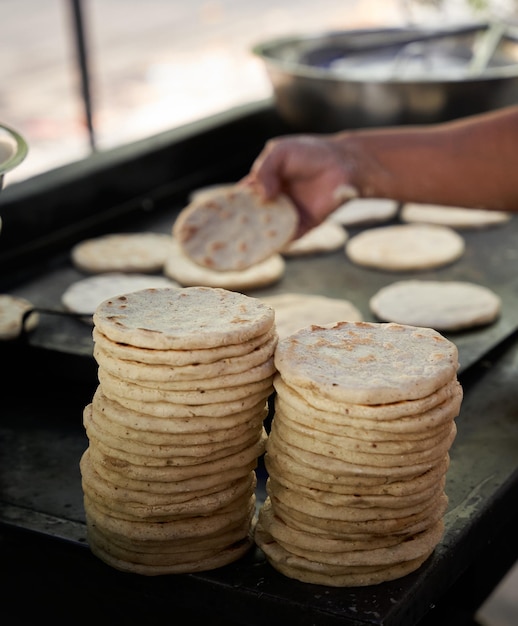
(471, 162)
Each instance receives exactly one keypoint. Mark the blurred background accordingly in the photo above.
(155, 65)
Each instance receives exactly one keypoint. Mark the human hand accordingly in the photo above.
(310, 170)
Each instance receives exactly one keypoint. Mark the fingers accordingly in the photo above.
(266, 171)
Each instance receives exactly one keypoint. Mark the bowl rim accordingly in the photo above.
(20, 152)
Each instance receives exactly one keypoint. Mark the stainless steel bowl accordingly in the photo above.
(325, 82)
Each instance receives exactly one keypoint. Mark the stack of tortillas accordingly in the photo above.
(358, 452)
(175, 428)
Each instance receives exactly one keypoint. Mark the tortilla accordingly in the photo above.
(200, 563)
(367, 363)
(183, 270)
(326, 237)
(374, 450)
(341, 553)
(286, 469)
(455, 217)
(146, 421)
(405, 247)
(190, 318)
(400, 416)
(85, 295)
(318, 573)
(442, 305)
(122, 252)
(196, 396)
(294, 311)
(362, 211)
(234, 228)
(125, 352)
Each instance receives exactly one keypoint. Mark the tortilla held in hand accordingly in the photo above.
(234, 228)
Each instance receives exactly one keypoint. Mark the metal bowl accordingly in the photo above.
(363, 78)
(13, 150)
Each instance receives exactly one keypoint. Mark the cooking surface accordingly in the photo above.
(490, 259)
(51, 376)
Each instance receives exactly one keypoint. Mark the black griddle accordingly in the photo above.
(50, 375)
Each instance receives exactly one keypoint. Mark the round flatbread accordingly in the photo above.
(337, 552)
(234, 228)
(367, 363)
(225, 419)
(326, 237)
(312, 572)
(187, 528)
(455, 217)
(380, 445)
(196, 396)
(180, 268)
(445, 306)
(294, 311)
(116, 459)
(360, 211)
(286, 468)
(177, 358)
(13, 322)
(202, 376)
(405, 247)
(408, 419)
(84, 296)
(190, 318)
(348, 453)
(122, 252)
(129, 563)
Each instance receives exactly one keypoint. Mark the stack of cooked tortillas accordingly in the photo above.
(175, 428)
(358, 452)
